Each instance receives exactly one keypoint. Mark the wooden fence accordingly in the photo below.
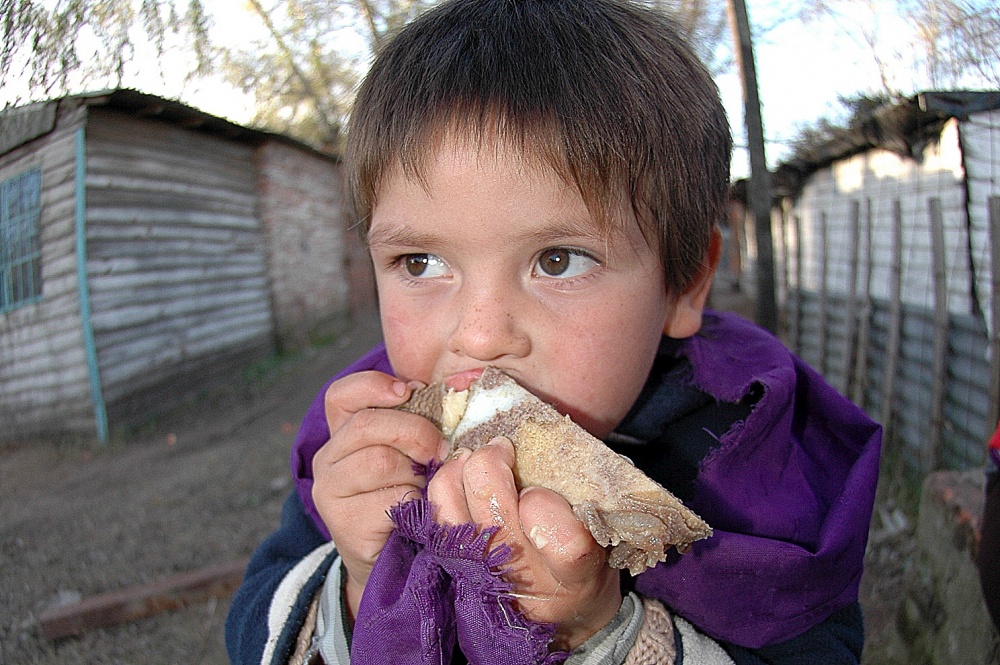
(928, 371)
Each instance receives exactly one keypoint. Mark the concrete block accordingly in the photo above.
(943, 617)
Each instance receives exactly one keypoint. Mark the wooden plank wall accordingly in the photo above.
(44, 389)
(176, 257)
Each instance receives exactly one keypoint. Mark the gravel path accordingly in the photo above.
(199, 488)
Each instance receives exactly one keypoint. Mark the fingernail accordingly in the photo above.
(416, 385)
(460, 453)
(444, 449)
(538, 537)
(399, 388)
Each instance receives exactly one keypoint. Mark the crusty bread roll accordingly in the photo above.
(620, 505)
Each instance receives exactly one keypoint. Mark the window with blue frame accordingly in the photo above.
(20, 250)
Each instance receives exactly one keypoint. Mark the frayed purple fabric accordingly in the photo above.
(434, 584)
(789, 493)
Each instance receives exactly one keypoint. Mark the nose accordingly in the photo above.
(490, 325)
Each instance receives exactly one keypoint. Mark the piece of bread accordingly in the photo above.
(619, 504)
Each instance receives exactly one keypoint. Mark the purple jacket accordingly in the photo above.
(788, 489)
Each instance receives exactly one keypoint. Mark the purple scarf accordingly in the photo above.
(789, 492)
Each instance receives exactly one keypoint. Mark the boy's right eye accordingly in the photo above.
(424, 265)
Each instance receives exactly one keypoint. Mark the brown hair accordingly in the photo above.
(606, 92)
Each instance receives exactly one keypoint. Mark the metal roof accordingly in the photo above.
(21, 124)
(902, 127)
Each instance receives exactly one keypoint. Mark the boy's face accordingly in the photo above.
(495, 260)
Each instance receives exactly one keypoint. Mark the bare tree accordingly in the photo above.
(61, 45)
(300, 80)
(382, 18)
(304, 74)
(950, 42)
(706, 27)
(303, 78)
(958, 37)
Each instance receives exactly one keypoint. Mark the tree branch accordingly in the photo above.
(331, 128)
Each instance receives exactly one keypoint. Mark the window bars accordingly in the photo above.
(20, 249)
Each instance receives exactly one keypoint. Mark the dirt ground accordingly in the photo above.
(201, 487)
(198, 488)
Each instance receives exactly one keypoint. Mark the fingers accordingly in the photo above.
(562, 540)
(578, 591)
(367, 466)
(361, 524)
(490, 489)
(557, 569)
(358, 467)
(360, 414)
(362, 390)
(446, 490)
(478, 487)
(354, 502)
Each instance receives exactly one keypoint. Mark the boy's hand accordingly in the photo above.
(560, 574)
(367, 467)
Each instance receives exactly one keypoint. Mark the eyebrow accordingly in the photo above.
(558, 233)
(401, 236)
(568, 230)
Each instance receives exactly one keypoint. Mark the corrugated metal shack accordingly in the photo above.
(887, 261)
(148, 248)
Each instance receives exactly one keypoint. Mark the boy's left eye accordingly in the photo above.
(564, 263)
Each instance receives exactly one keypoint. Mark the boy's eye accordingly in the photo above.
(564, 263)
(424, 265)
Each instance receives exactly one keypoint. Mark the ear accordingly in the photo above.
(684, 319)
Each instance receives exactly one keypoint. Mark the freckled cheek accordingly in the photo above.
(595, 397)
(608, 372)
(410, 338)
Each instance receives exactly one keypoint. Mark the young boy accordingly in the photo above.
(539, 182)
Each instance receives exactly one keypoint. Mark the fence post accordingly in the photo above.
(824, 304)
(939, 389)
(797, 318)
(895, 320)
(851, 328)
(782, 286)
(994, 396)
(860, 387)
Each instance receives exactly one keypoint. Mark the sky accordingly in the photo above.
(801, 70)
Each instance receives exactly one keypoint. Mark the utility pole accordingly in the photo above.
(759, 189)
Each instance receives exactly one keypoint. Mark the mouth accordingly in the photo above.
(462, 380)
